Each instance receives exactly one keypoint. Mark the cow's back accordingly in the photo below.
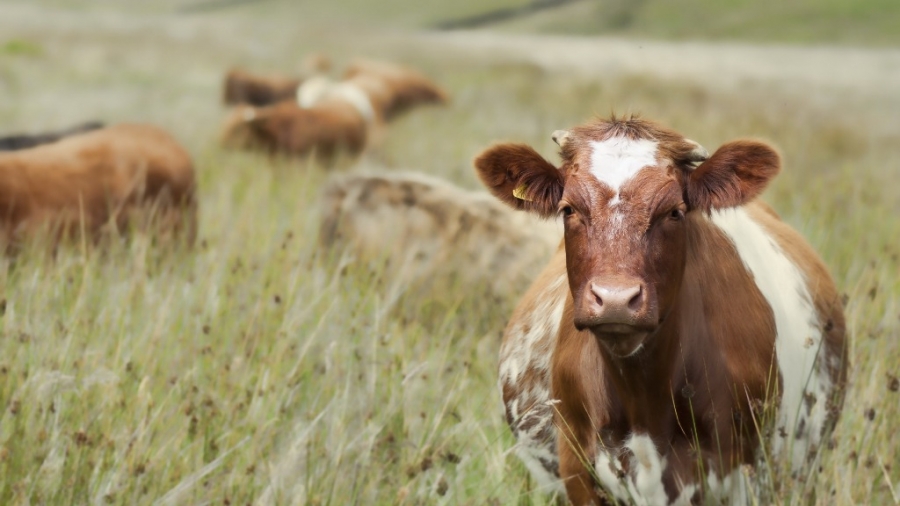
(90, 177)
(429, 227)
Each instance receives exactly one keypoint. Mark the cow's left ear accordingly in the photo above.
(735, 174)
(520, 177)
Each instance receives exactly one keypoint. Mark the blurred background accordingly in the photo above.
(260, 369)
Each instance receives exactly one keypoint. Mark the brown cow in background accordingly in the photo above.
(428, 228)
(242, 87)
(331, 127)
(105, 179)
(394, 89)
(330, 117)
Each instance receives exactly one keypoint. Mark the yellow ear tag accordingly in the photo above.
(519, 193)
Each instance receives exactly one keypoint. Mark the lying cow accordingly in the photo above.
(101, 179)
(428, 227)
(682, 328)
(332, 116)
(242, 87)
(332, 127)
(25, 141)
(393, 89)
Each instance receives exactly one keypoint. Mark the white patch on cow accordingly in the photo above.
(318, 88)
(607, 468)
(356, 97)
(732, 489)
(643, 485)
(647, 485)
(534, 457)
(531, 351)
(313, 90)
(616, 160)
(685, 496)
(806, 384)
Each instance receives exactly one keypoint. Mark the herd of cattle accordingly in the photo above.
(680, 336)
(92, 179)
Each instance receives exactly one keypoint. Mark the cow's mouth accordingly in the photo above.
(622, 341)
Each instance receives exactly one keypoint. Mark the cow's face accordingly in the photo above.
(624, 190)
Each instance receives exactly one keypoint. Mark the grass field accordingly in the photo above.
(256, 369)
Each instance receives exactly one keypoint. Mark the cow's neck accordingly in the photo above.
(643, 381)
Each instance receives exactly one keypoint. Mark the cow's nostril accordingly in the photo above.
(636, 301)
(597, 293)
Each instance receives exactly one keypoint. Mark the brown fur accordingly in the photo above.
(692, 363)
(542, 181)
(394, 89)
(326, 129)
(97, 180)
(242, 87)
(331, 122)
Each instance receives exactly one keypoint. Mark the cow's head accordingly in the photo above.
(626, 191)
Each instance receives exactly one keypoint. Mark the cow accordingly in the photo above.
(428, 227)
(244, 88)
(25, 141)
(393, 89)
(682, 333)
(330, 116)
(333, 126)
(105, 179)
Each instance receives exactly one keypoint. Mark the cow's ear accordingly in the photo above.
(520, 177)
(735, 174)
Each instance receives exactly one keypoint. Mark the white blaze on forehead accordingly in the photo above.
(615, 161)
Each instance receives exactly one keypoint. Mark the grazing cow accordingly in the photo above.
(104, 178)
(332, 126)
(428, 227)
(25, 141)
(682, 329)
(332, 116)
(393, 89)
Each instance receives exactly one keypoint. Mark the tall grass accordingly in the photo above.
(256, 368)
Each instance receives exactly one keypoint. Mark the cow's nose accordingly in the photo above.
(615, 303)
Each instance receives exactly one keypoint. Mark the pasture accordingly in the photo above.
(259, 369)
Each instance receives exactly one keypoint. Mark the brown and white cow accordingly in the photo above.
(682, 329)
(333, 116)
(332, 126)
(96, 180)
(393, 89)
(242, 87)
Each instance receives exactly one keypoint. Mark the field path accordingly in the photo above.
(866, 80)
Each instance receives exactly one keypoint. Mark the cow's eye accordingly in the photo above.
(567, 210)
(676, 214)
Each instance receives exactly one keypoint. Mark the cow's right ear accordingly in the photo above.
(520, 177)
